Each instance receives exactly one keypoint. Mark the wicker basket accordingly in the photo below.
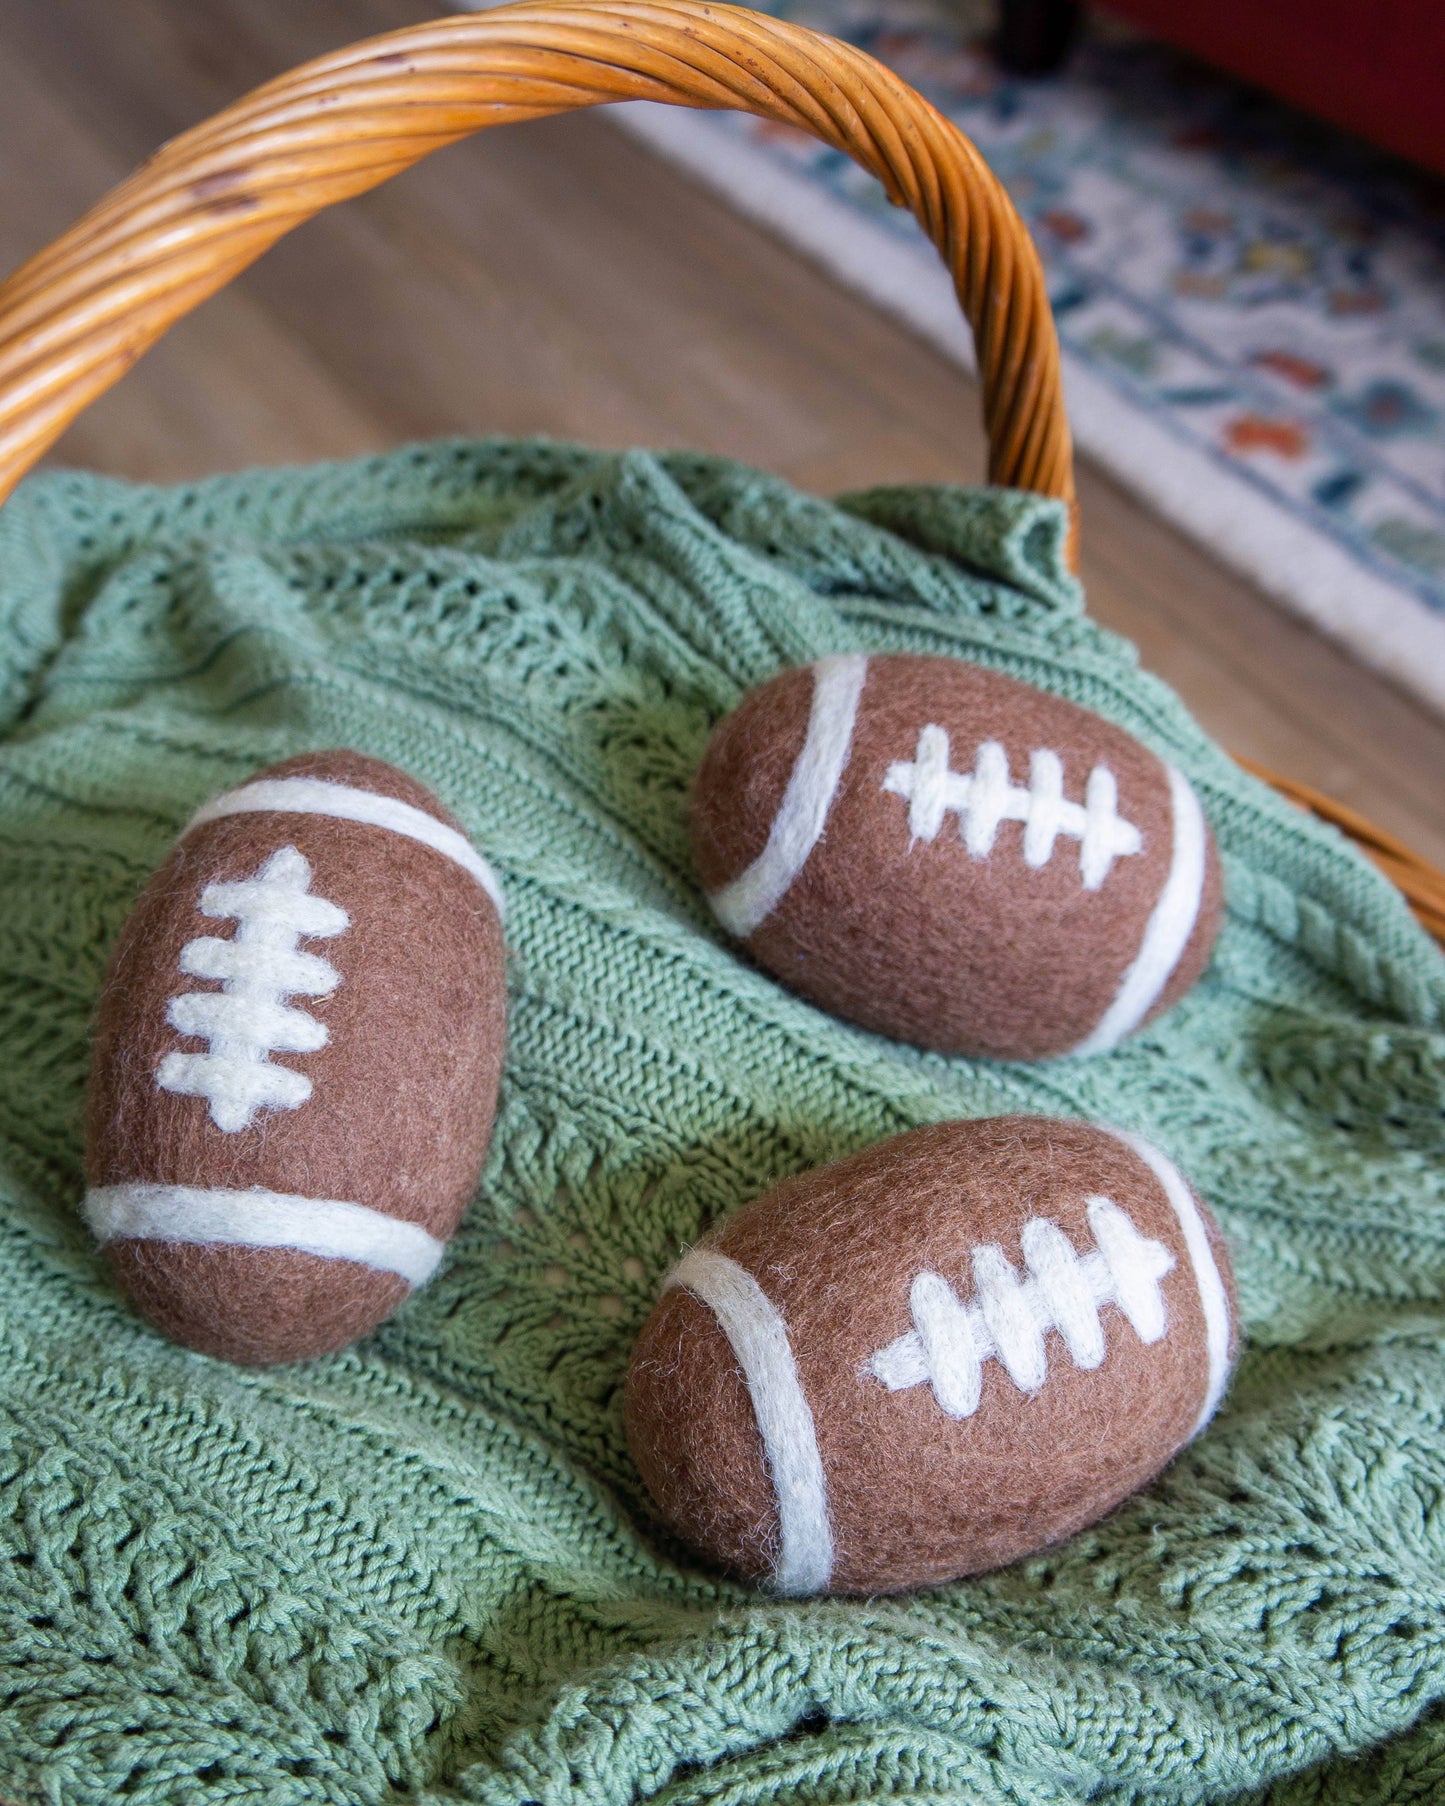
(77, 316)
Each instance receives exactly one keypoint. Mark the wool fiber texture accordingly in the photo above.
(961, 1466)
(425, 1569)
(892, 919)
(390, 1110)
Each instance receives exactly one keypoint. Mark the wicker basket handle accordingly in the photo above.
(77, 316)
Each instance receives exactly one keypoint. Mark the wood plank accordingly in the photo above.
(557, 278)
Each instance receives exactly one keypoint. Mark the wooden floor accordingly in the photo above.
(556, 278)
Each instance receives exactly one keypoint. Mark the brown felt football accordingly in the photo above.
(932, 1358)
(296, 1060)
(951, 857)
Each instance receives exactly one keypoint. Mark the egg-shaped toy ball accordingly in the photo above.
(951, 857)
(932, 1358)
(296, 1060)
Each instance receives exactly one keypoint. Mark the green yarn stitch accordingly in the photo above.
(421, 1570)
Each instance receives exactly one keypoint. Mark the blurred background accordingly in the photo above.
(1251, 299)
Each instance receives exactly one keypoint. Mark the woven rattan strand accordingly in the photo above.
(78, 315)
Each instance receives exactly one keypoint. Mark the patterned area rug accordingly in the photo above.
(1252, 306)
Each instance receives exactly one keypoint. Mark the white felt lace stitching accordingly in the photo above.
(248, 1019)
(986, 797)
(1011, 1315)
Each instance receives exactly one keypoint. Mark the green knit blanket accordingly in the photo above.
(422, 1570)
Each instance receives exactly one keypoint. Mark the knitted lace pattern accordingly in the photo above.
(424, 1570)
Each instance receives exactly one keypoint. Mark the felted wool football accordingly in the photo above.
(296, 1060)
(951, 857)
(932, 1358)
